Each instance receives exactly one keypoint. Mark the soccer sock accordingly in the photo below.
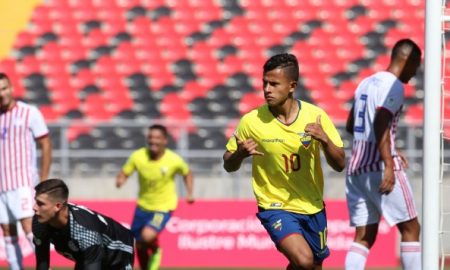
(356, 257)
(13, 252)
(155, 260)
(411, 255)
(30, 240)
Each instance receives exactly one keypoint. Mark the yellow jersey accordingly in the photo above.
(289, 174)
(157, 191)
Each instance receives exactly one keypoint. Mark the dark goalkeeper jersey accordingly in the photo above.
(93, 241)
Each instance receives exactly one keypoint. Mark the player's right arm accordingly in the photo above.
(350, 121)
(121, 178)
(42, 246)
(42, 253)
(232, 160)
(128, 168)
(382, 122)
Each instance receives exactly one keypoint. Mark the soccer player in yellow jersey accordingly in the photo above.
(156, 167)
(284, 138)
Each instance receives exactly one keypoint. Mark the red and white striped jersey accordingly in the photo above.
(381, 90)
(19, 127)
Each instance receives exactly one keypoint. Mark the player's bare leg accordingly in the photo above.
(366, 235)
(298, 252)
(146, 247)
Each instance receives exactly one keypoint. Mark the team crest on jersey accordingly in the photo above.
(277, 225)
(390, 101)
(164, 170)
(305, 139)
(37, 241)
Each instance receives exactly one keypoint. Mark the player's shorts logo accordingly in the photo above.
(277, 225)
(305, 139)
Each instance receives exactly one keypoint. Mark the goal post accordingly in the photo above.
(432, 134)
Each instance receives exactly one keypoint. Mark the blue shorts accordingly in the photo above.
(280, 224)
(155, 219)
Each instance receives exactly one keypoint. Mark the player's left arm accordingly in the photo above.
(189, 183)
(46, 158)
(41, 135)
(184, 170)
(334, 155)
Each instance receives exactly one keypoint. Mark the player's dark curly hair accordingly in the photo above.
(162, 128)
(407, 44)
(4, 76)
(54, 188)
(288, 62)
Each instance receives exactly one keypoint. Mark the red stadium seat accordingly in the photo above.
(150, 46)
(25, 39)
(251, 101)
(49, 113)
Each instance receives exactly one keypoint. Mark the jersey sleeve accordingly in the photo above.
(37, 123)
(130, 166)
(331, 130)
(241, 132)
(42, 246)
(391, 100)
(183, 167)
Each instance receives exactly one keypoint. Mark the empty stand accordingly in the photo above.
(103, 60)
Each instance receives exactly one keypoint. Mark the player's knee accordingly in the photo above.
(303, 261)
(148, 236)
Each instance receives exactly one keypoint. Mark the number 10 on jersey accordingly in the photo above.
(291, 163)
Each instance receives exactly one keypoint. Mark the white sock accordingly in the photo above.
(30, 240)
(356, 257)
(13, 253)
(411, 255)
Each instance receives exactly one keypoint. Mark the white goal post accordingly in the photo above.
(432, 134)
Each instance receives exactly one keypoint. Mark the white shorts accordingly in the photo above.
(16, 204)
(366, 204)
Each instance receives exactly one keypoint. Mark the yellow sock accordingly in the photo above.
(155, 260)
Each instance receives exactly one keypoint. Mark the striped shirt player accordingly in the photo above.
(376, 182)
(22, 127)
(380, 91)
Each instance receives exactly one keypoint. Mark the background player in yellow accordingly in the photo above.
(157, 167)
(284, 137)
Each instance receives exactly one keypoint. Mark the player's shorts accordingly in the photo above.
(366, 204)
(280, 224)
(154, 219)
(16, 204)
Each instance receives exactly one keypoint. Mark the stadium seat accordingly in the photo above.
(145, 58)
